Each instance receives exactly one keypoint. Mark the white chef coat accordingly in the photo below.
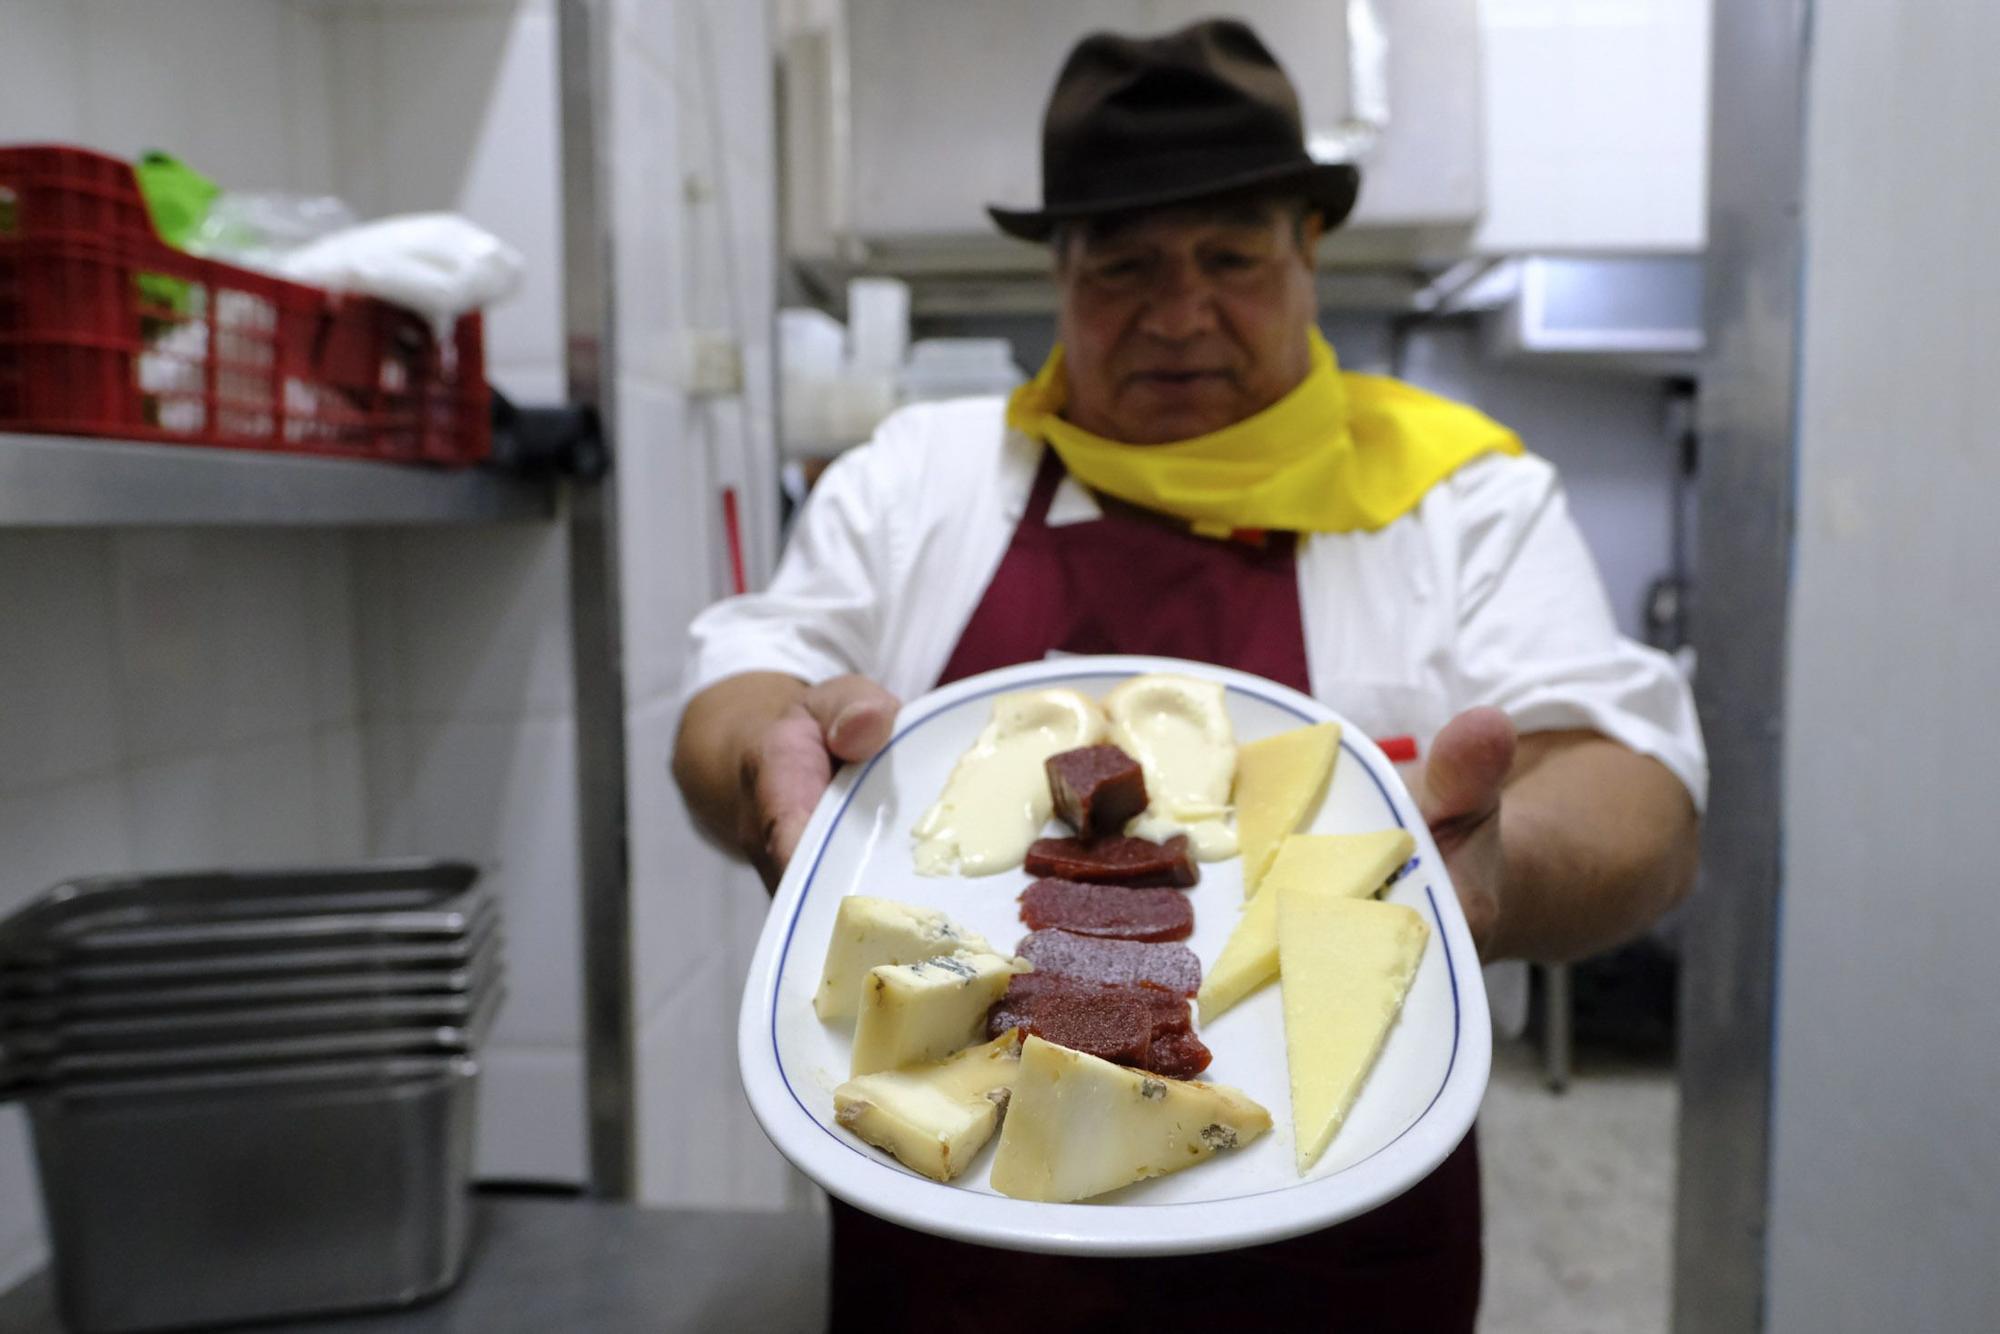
(1483, 594)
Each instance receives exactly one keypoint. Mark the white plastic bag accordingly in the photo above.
(437, 264)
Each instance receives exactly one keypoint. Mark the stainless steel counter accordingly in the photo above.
(561, 1265)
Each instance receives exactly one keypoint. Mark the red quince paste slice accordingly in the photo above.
(1112, 911)
(1114, 861)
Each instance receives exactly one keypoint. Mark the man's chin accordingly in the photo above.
(1164, 428)
(1151, 417)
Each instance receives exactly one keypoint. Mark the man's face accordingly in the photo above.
(1184, 321)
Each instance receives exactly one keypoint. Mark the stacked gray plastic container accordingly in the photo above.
(252, 1093)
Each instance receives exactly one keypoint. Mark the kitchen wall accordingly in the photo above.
(167, 698)
(462, 635)
(695, 260)
(1886, 1111)
(1596, 123)
(186, 698)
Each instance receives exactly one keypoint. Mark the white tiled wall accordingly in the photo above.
(1596, 120)
(694, 212)
(469, 730)
(236, 88)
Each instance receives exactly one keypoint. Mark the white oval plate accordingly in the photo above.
(1417, 1105)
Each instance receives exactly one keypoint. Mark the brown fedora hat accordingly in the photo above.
(1139, 122)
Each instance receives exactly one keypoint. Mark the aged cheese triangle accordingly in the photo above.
(1354, 865)
(1279, 781)
(1078, 1126)
(869, 932)
(933, 1118)
(913, 1013)
(1347, 965)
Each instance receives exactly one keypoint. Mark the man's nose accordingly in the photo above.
(1181, 304)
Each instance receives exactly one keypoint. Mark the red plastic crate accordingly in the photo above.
(235, 359)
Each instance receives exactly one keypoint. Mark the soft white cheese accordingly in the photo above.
(997, 798)
(1178, 729)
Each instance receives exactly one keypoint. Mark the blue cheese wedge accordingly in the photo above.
(1078, 1126)
(933, 1118)
(912, 1013)
(869, 932)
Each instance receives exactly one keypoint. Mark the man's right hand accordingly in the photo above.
(756, 752)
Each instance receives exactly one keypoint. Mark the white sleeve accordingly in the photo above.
(820, 616)
(1536, 637)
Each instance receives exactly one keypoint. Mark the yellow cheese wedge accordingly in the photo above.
(1078, 1126)
(1279, 781)
(1354, 865)
(916, 1012)
(933, 1118)
(1247, 961)
(1347, 965)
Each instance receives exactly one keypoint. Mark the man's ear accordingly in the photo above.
(1312, 226)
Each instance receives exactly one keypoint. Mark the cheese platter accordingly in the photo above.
(797, 1051)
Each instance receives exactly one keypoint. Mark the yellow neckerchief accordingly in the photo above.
(1341, 452)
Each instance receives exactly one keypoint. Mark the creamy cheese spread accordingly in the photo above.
(997, 798)
(1178, 729)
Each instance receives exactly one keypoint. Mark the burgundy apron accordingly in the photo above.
(1131, 582)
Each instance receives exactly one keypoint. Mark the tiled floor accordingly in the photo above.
(1579, 1196)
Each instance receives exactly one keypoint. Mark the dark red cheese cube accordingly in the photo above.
(1114, 861)
(1113, 911)
(1096, 788)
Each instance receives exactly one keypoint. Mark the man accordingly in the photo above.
(1192, 476)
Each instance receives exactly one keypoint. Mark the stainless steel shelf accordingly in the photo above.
(49, 481)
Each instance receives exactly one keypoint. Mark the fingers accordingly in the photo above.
(1469, 763)
(854, 714)
(788, 768)
(783, 778)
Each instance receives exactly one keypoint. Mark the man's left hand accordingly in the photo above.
(1460, 799)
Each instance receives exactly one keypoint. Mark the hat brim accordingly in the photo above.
(1330, 188)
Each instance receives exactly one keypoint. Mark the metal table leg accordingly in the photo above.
(1555, 1025)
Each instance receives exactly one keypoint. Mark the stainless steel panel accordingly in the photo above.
(69, 1003)
(67, 482)
(239, 1023)
(259, 1080)
(200, 1209)
(1748, 396)
(596, 638)
(78, 974)
(201, 910)
(30, 1074)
